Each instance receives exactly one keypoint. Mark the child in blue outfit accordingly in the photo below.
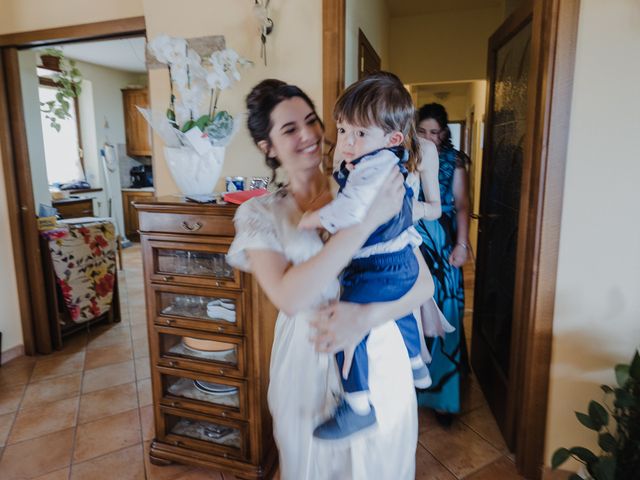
(375, 120)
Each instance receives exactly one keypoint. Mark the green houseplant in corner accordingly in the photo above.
(68, 82)
(619, 457)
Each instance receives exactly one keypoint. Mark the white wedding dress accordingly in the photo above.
(304, 384)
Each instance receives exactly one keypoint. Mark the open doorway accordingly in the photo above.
(87, 162)
(65, 149)
(438, 45)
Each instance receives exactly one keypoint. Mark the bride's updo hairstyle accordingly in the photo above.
(261, 101)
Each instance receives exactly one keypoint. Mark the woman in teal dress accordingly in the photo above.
(445, 248)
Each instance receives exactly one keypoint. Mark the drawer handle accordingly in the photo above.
(173, 364)
(221, 329)
(221, 371)
(168, 321)
(191, 228)
(224, 414)
(168, 278)
(175, 404)
(177, 443)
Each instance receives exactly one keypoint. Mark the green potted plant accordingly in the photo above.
(619, 456)
(68, 81)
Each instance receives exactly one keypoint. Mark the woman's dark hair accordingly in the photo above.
(438, 113)
(261, 101)
(380, 99)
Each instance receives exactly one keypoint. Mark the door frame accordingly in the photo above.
(32, 298)
(554, 34)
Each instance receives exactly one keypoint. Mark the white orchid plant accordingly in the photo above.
(198, 84)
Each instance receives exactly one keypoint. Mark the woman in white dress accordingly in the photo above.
(299, 274)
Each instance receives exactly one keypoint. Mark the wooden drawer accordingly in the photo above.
(175, 352)
(185, 263)
(205, 433)
(219, 396)
(206, 309)
(75, 208)
(185, 224)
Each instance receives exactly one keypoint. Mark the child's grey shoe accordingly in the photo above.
(344, 423)
(421, 377)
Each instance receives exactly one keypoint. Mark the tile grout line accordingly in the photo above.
(479, 469)
(437, 459)
(13, 423)
(135, 370)
(75, 428)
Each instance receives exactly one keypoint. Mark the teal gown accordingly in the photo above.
(439, 236)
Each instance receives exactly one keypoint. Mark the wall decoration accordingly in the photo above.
(261, 10)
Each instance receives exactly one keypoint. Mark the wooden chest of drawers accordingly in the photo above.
(210, 333)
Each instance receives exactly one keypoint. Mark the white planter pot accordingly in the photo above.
(195, 174)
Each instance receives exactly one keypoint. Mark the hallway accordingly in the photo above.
(85, 412)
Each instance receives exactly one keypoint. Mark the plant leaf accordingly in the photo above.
(598, 414)
(188, 125)
(624, 399)
(202, 122)
(634, 369)
(622, 374)
(605, 469)
(606, 388)
(587, 421)
(584, 454)
(559, 457)
(607, 442)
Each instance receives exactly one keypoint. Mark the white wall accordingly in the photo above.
(372, 17)
(456, 103)
(10, 325)
(29, 83)
(477, 100)
(444, 46)
(100, 103)
(294, 54)
(597, 309)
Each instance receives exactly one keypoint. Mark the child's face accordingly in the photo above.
(355, 141)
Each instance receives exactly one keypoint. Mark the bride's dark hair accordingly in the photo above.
(261, 101)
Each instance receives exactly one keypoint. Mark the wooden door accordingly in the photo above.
(502, 203)
(368, 58)
(137, 130)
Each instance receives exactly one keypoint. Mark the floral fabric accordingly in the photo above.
(84, 261)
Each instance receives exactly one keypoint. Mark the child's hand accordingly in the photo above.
(309, 221)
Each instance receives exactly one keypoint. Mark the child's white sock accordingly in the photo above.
(359, 402)
(416, 362)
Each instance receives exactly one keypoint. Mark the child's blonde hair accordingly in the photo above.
(380, 99)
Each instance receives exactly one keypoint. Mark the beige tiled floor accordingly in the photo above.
(85, 412)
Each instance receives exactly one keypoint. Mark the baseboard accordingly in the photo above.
(11, 353)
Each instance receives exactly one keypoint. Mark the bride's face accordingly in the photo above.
(296, 135)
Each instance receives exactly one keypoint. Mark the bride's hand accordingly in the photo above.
(339, 327)
(388, 202)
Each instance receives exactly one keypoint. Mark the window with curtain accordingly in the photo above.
(61, 149)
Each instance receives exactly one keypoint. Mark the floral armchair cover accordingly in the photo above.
(84, 261)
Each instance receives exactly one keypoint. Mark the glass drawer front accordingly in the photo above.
(187, 262)
(223, 397)
(201, 309)
(191, 264)
(226, 438)
(208, 432)
(210, 354)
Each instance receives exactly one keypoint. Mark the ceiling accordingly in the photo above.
(451, 89)
(405, 8)
(122, 54)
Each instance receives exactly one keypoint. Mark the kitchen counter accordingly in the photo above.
(143, 189)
